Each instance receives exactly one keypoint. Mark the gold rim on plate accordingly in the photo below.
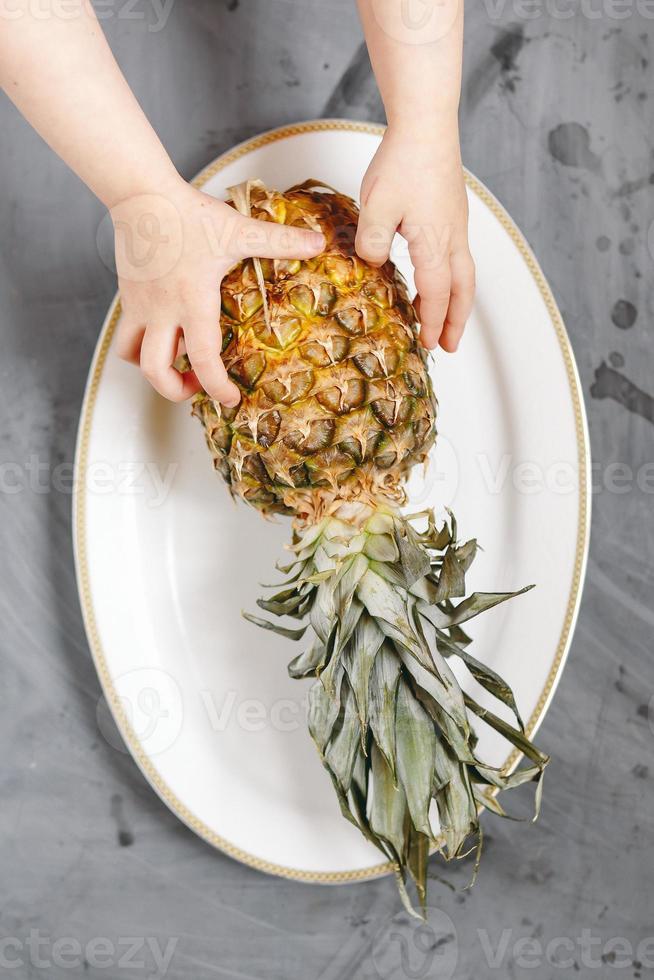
(79, 513)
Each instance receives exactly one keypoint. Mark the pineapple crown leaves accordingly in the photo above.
(388, 716)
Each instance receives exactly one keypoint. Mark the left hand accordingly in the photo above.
(415, 185)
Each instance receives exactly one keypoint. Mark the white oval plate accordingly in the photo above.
(166, 562)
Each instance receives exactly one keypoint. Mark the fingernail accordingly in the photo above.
(317, 241)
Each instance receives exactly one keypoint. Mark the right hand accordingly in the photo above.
(173, 248)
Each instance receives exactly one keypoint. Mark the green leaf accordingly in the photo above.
(358, 659)
(381, 707)
(347, 583)
(386, 605)
(323, 713)
(287, 608)
(380, 523)
(451, 580)
(436, 616)
(445, 765)
(459, 636)
(340, 637)
(332, 672)
(323, 611)
(457, 811)
(466, 553)
(347, 625)
(435, 538)
(438, 664)
(309, 662)
(449, 699)
(342, 749)
(359, 786)
(382, 600)
(415, 740)
(417, 861)
(414, 560)
(315, 578)
(515, 737)
(309, 539)
(267, 625)
(287, 593)
(338, 530)
(503, 780)
(387, 713)
(390, 573)
(453, 525)
(490, 802)
(338, 549)
(484, 675)
(381, 547)
(479, 602)
(459, 741)
(353, 804)
(287, 569)
(388, 811)
(324, 563)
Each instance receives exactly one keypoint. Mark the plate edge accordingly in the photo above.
(78, 510)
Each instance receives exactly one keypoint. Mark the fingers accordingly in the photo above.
(461, 300)
(378, 222)
(434, 288)
(129, 340)
(158, 351)
(203, 342)
(269, 240)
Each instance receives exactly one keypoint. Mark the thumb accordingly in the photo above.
(270, 240)
(378, 222)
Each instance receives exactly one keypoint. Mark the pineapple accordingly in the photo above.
(336, 408)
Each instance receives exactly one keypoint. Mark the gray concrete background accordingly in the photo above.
(557, 119)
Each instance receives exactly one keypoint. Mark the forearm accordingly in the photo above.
(417, 63)
(415, 182)
(60, 73)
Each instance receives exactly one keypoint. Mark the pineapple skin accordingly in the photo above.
(336, 402)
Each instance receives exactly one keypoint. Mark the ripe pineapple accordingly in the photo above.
(336, 407)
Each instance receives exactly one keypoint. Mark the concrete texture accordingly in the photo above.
(557, 119)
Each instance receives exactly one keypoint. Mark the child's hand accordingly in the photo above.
(415, 185)
(173, 249)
